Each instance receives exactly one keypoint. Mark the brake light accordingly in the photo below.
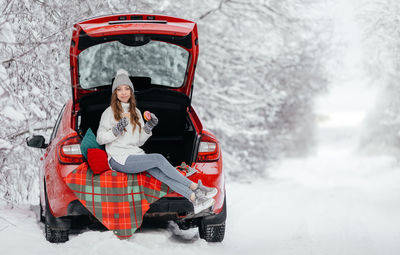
(208, 149)
(69, 151)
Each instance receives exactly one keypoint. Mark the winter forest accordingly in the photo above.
(266, 70)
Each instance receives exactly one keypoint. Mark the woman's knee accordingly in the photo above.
(158, 157)
(147, 161)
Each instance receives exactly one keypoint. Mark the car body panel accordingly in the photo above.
(98, 27)
(58, 193)
(104, 29)
(195, 120)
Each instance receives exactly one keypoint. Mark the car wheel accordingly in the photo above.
(212, 233)
(212, 229)
(53, 235)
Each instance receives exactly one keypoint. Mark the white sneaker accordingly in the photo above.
(204, 191)
(188, 169)
(202, 203)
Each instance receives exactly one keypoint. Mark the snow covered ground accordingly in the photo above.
(334, 202)
(337, 201)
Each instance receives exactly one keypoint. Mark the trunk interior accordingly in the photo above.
(174, 136)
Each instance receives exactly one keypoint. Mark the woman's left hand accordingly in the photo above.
(153, 120)
(150, 124)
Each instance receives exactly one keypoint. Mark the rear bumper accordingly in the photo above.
(178, 205)
(168, 208)
(216, 219)
(181, 210)
(177, 209)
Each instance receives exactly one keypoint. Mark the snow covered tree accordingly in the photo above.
(380, 19)
(260, 67)
(257, 92)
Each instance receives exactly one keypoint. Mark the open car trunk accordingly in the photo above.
(174, 136)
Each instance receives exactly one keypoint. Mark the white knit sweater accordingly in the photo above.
(125, 144)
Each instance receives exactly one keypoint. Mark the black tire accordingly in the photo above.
(212, 229)
(55, 236)
(212, 233)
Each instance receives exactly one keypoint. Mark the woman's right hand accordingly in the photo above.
(119, 128)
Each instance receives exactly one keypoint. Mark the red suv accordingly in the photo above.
(160, 52)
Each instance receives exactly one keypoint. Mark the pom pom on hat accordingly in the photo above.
(122, 71)
(121, 78)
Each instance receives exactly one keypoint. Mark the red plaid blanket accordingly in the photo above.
(117, 200)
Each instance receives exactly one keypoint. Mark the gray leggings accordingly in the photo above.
(159, 167)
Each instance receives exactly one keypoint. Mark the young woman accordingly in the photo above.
(122, 130)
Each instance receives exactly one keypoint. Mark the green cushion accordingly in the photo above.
(88, 142)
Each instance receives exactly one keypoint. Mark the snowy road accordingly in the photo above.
(337, 202)
(334, 202)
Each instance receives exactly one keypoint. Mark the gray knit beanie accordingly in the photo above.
(121, 78)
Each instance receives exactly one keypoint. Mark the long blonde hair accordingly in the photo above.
(117, 109)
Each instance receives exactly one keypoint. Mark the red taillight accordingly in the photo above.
(208, 149)
(69, 150)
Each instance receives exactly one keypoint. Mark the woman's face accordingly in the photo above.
(124, 93)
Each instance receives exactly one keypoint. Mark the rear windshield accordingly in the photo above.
(163, 62)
